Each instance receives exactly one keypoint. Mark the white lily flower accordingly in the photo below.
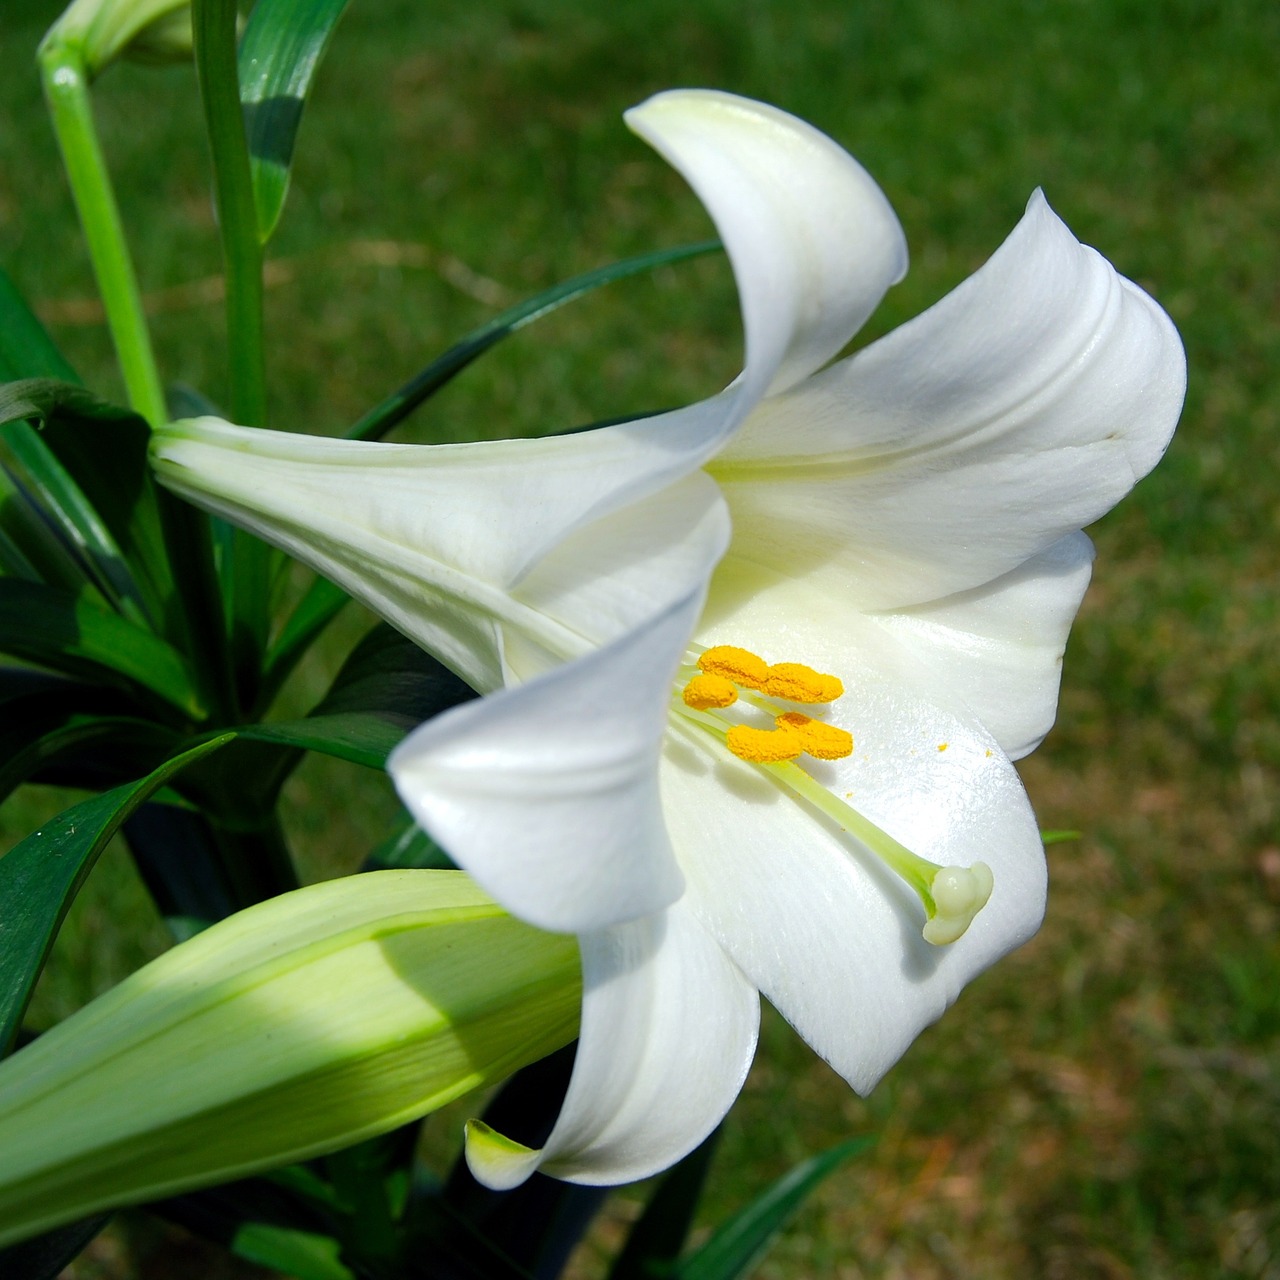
(907, 520)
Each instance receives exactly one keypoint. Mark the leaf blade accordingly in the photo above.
(282, 45)
(40, 877)
(400, 404)
(70, 633)
(739, 1244)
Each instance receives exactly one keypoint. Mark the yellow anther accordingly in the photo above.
(821, 740)
(798, 683)
(741, 666)
(763, 746)
(704, 692)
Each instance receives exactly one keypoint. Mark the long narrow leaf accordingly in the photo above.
(378, 421)
(361, 737)
(657, 1238)
(280, 50)
(40, 877)
(741, 1242)
(72, 634)
(322, 603)
(88, 467)
(30, 547)
(26, 350)
(85, 749)
(31, 463)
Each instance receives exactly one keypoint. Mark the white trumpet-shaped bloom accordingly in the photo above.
(907, 519)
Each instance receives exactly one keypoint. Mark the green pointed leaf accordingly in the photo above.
(322, 603)
(26, 350)
(280, 50)
(378, 421)
(410, 847)
(387, 673)
(303, 1254)
(82, 749)
(72, 634)
(40, 877)
(44, 1257)
(741, 1242)
(362, 737)
(657, 1238)
(88, 467)
(32, 464)
(31, 548)
(1059, 837)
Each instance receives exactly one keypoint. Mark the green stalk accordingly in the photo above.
(214, 28)
(249, 570)
(66, 87)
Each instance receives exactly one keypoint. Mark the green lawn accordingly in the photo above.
(1107, 1102)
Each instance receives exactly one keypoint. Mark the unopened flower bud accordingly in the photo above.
(298, 1026)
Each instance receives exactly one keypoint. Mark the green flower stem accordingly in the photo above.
(251, 567)
(214, 28)
(201, 621)
(66, 87)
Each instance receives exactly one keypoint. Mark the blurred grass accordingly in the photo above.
(1107, 1102)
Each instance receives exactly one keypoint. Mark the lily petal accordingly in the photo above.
(669, 1027)
(547, 793)
(828, 934)
(997, 650)
(813, 241)
(993, 653)
(1018, 409)
(409, 530)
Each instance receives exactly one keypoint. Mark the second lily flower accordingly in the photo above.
(754, 661)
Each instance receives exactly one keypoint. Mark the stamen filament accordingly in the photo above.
(951, 896)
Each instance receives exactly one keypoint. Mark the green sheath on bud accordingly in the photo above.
(100, 31)
(292, 1028)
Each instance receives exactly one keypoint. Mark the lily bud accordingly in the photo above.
(104, 30)
(293, 1028)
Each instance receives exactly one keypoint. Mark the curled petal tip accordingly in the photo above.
(495, 1160)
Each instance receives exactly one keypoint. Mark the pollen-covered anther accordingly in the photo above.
(704, 692)
(741, 666)
(764, 746)
(797, 683)
(821, 740)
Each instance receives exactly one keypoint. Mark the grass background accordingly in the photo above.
(1106, 1103)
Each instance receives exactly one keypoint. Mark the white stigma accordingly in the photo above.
(959, 893)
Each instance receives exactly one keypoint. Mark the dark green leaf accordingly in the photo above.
(33, 466)
(741, 1242)
(321, 604)
(531, 1230)
(410, 847)
(176, 853)
(362, 737)
(299, 1253)
(40, 877)
(280, 50)
(26, 350)
(72, 634)
(30, 546)
(44, 1257)
(1059, 837)
(658, 1237)
(82, 751)
(378, 421)
(387, 673)
(88, 467)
